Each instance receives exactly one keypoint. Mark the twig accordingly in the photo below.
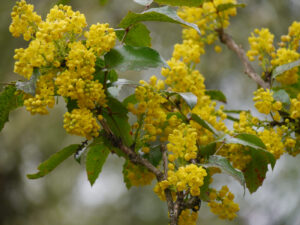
(132, 155)
(249, 70)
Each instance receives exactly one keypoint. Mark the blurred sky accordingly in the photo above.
(65, 197)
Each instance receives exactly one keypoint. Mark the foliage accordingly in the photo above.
(178, 135)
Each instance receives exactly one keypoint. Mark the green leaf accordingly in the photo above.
(189, 98)
(226, 167)
(223, 7)
(282, 96)
(112, 76)
(29, 86)
(54, 160)
(8, 102)
(125, 58)
(95, 159)
(138, 35)
(283, 68)
(181, 2)
(255, 171)
(154, 156)
(216, 95)
(144, 2)
(130, 99)
(207, 150)
(99, 63)
(162, 14)
(203, 123)
(117, 120)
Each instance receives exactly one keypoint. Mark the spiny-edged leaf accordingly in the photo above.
(154, 156)
(54, 160)
(216, 95)
(125, 82)
(71, 104)
(181, 2)
(125, 175)
(283, 68)
(127, 57)
(8, 102)
(117, 119)
(255, 171)
(103, 2)
(130, 99)
(95, 160)
(189, 98)
(203, 123)
(138, 35)
(282, 96)
(226, 6)
(63, 2)
(226, 167)
(208, 150)
(144, 2)
(162, 14)
(29, 86)
(204, 189)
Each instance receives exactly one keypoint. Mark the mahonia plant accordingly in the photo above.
(179, 137)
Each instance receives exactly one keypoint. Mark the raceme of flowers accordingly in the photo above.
(65, 62)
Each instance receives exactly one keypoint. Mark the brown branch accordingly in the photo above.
(132, 155)
(249, 70)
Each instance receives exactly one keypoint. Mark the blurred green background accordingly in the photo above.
(65, 197)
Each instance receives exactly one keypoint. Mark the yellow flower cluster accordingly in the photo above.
(44, 96)
(81, 122)
(222, 204)
(24, 20)
(245, 123)
(150, 107)
(237, 154)
(295, 107)
(293, 36)
(182, 79)
(66, 64)
(182, 142)
(100, 38)
(189, 51)
(38, 54)
(188, 217)
(284, 56)
(61, 22)
(273, 141)
(261, 44)
(138, 175)
(189, 178)
(265, 103)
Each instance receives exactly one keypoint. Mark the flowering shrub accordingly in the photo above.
(179, 136)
